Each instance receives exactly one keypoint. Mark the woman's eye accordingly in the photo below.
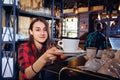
(45, 29)
(37, 30)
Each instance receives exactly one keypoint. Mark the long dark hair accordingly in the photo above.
(31, 39)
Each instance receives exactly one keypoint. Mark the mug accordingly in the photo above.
(69, 44)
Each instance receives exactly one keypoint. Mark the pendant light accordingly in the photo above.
(75, 9)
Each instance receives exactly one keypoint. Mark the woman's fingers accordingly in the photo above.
(54, 51)
(51, 54)
(49, 58)
(52, 59)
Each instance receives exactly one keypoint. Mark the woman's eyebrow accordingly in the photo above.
(37, 26)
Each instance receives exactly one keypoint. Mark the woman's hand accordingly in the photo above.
(51, 54)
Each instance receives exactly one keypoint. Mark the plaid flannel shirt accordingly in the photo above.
(96, 39)
(26, 58)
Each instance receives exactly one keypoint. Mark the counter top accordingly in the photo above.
(62, 71)
(56, 67)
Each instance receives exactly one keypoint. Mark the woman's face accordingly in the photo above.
(39, 32)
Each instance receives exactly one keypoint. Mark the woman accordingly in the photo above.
(36, 53)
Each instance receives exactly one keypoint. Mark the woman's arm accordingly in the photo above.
(48, 57)
(32, 70)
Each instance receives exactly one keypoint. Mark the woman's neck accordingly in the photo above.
(38, 45)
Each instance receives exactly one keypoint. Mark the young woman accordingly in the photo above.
(36, 53)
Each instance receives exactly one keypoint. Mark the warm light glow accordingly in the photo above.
(76, 11)
(82, 27)
(107, 16)
(75, 8)
(99, 17)
(119, 8)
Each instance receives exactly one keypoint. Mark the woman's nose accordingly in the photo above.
(42, 32)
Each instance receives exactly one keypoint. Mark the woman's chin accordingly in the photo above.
(42, 41)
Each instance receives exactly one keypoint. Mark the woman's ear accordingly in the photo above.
(30, 31)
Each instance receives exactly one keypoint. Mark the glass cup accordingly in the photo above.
(91, 52)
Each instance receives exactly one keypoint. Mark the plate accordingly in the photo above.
(77, 52)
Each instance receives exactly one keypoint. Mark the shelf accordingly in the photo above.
(30, 14)
(9, 7)
(9, 42)
(83, 30)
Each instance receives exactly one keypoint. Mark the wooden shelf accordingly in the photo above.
(31, 14)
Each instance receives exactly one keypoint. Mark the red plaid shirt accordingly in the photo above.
(26, 57)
